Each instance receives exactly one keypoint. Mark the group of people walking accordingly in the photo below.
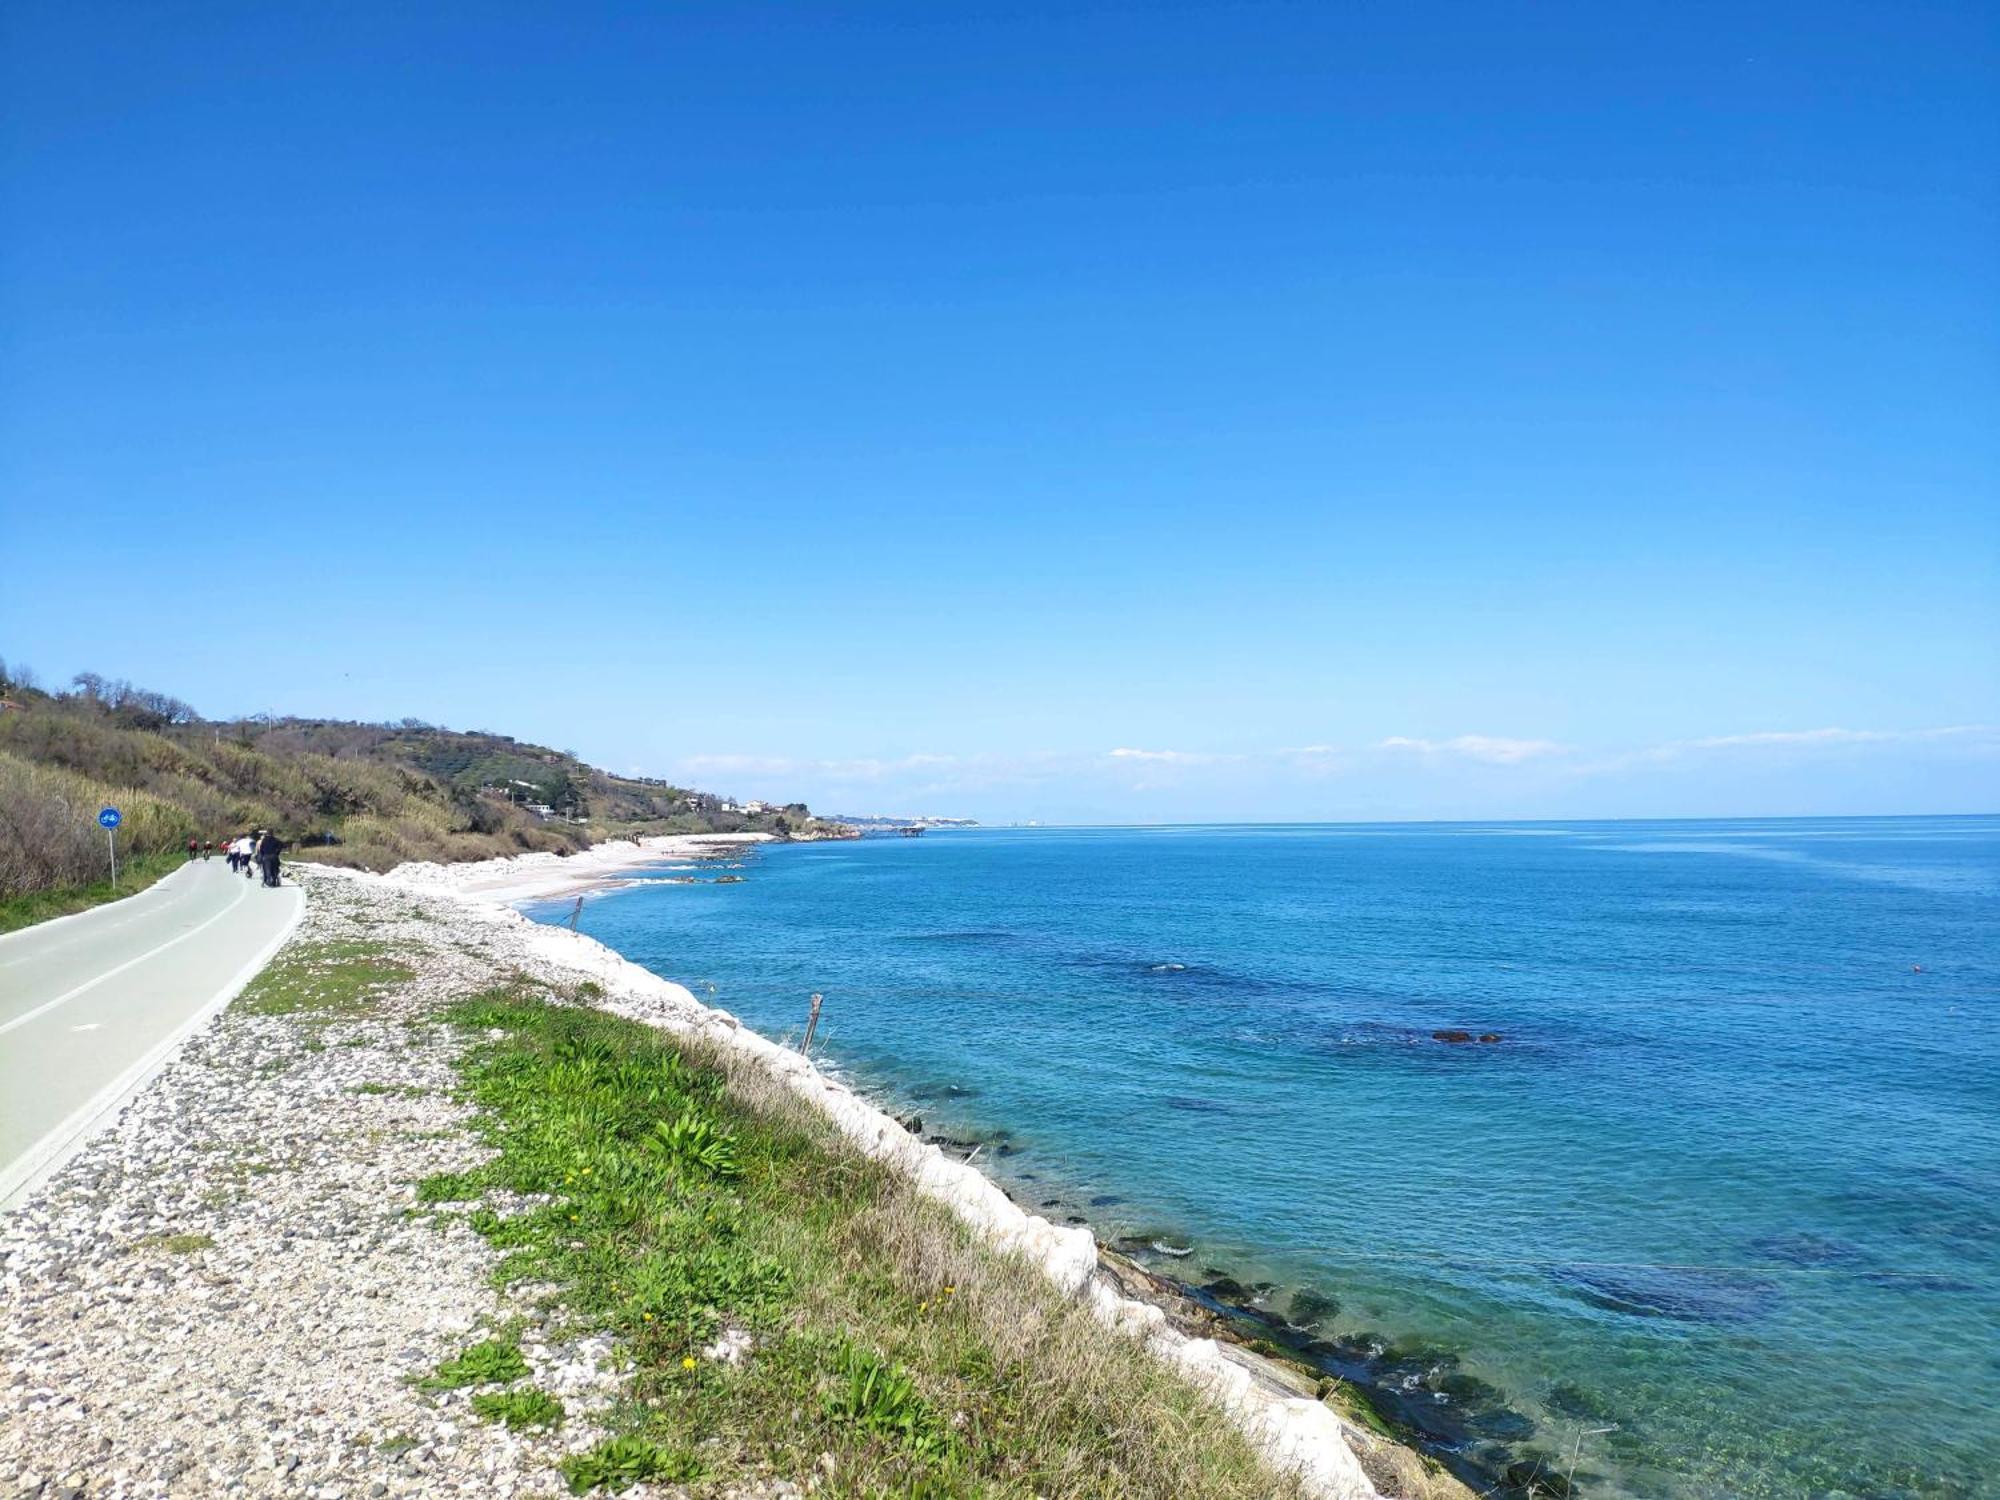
(247, 853)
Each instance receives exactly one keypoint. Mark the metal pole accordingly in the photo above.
(111, 838)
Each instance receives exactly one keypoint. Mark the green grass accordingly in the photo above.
(178, 1244)
(619, 1463)
(492, 1362)
(324, 980)
(519, 1410)
(450, 1187)
(681, 1203)
(134, 875)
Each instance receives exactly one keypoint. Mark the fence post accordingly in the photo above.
(812, 1025)
(575, 912)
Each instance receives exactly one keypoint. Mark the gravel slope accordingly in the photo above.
(228, 1292)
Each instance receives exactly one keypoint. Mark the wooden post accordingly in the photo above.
(575, 912)
(812, 1025)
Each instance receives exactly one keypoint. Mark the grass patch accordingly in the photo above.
(619, 1463)
(450, 1187)
(325, 980)
(178, 1244)
(26, 908)
(678, 1201)
(493, 1362)
(519, 1410)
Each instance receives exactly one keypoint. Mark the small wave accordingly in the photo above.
(1166, 968)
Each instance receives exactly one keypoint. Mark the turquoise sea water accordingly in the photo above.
(1719, 1213)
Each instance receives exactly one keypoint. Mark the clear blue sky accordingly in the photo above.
(1360, 411)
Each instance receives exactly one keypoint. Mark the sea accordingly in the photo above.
(1666, 1152)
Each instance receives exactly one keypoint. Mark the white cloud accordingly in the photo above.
(1099, 780)
(1771, 737)
(866, 768)
(1489, 749)
(1167, 757)
(1799, 739)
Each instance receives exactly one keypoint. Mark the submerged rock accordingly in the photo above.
(1689, 1296)
(1806, 1250)
(1538, 1475)
(1579, 1403)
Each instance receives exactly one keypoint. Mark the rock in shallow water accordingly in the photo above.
(1689, 1296)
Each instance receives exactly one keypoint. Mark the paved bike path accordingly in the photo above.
(91, 1006)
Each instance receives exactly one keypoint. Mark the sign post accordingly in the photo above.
(110, 819)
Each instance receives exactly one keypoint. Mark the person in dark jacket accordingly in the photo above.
(269, 847)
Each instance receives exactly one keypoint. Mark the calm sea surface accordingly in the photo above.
(1719, 1213)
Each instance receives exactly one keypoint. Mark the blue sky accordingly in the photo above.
(1032, 411)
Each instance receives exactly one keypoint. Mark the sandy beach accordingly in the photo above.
(524, 878)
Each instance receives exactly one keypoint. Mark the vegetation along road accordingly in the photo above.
(92, 1004)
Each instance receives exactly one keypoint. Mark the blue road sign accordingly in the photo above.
(109, 817)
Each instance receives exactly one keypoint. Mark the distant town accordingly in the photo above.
(878, 821)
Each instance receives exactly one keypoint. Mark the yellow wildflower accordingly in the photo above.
(688, 1363)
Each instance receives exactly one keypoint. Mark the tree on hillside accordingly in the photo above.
(139, 708)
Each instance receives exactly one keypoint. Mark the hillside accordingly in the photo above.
(369, 795)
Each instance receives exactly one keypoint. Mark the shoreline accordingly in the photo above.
(1407, 1390)
(1294, 1415)
(517, 879)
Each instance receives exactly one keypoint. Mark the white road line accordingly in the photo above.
(90, 984)
(41, 1160)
